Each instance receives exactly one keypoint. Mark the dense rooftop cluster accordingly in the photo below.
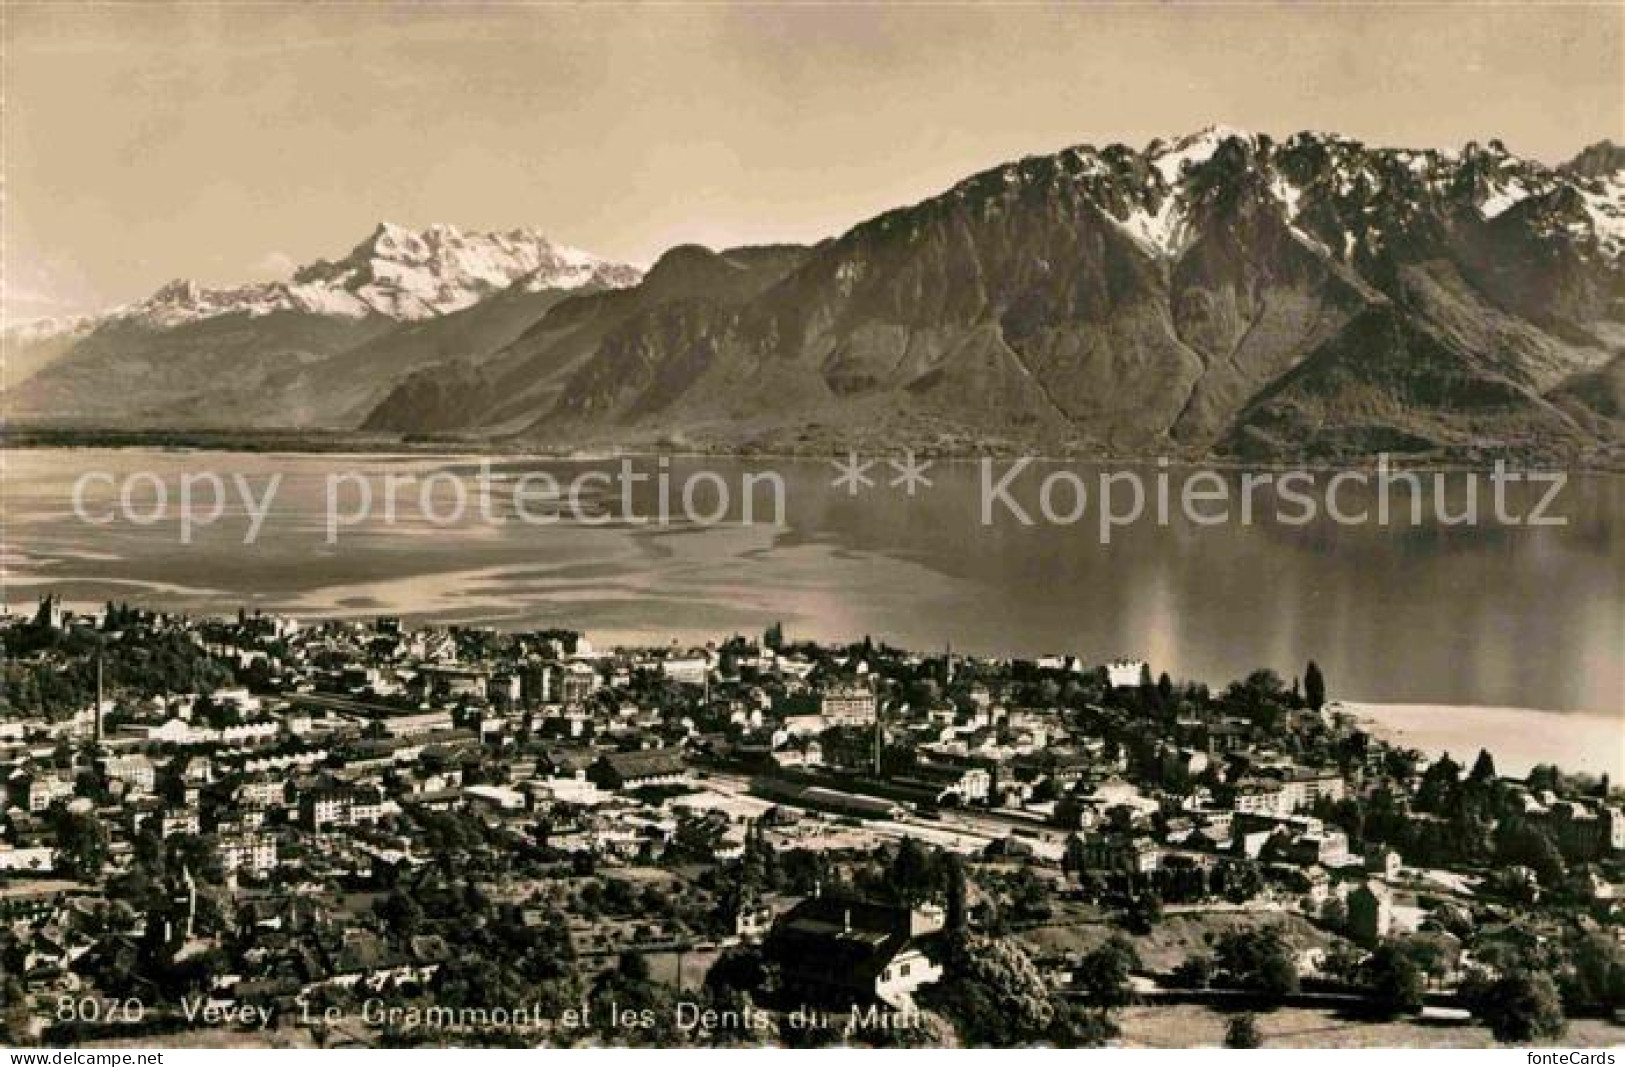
(367, 832)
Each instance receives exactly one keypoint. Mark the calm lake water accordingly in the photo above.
(1495, 615)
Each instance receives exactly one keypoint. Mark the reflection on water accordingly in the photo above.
(1517, 617)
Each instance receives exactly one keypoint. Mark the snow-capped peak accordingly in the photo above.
(1191, 150)
(396, 272)
(1342, 196)
(407, 274)
(1604, 201)
(54, 326)
(1157, 219)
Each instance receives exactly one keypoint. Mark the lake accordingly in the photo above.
(1509, 616)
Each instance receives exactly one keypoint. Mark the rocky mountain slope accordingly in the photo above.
(1223, 292)
(1220, 293)
(320, 349)
(624, 333)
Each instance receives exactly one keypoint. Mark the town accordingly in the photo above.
(257, 830)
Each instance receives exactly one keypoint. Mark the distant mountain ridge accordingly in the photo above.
(1220, 292)
(396, 273)
(264, 353)
(1216, 293)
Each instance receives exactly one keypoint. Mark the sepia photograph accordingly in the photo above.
(796, 525)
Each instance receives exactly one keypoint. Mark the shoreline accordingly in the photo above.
(1588, 742)
(326, 442)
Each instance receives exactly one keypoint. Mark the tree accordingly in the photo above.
(1525, 844)
(16, 1013)
(759, 866)
(81, 843)
(1277, 974)
(1521, 1005)
(1436, 953)
(1395, 981)
(1314, 686)
(1259, 960)
(1343, 961)
(1544, 776)
(633, 967)
(1483, 767)
(1196, 972)
(958, 918)
(1260, 691)
(695, 838)
(1143, 913)
(1103, 975)
(742, 969)
(198, 853)
(1242, 880)
(993, 994)
(912, 873)
(1074, 855)
(1595, 980)
(401, 913)
(1242, 1032)
(1047, 693)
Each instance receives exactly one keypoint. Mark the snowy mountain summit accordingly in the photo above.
(1220, 292)
(397, 273)
(406, 274)
(1337, 193)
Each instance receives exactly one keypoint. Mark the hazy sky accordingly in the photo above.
(223, 143)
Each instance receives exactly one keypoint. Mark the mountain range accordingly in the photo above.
(318, 350)
(1221, 293)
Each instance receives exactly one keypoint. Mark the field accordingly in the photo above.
(1175, 939)
(1196, 1025)
(663, 967)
